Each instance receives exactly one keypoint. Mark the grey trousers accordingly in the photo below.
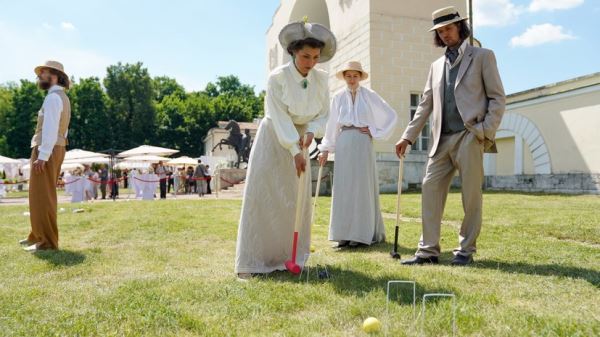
(463, 152)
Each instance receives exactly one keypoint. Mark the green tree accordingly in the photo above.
(20, 121)
(171, 130)
(165, 86)
(90, 126)
(6, 107)
(129, 87)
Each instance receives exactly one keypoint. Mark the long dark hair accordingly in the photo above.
(464, 31)
(63, 80)
(299, 44)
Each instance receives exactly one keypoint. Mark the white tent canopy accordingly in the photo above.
(147, 158)
(185, 160)
(82, 154)
(90, 160)
(70, 166)
(132, 165)
(147, 150)
(6, 160)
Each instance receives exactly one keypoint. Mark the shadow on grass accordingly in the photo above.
(349, 282)
(384, 247)
(65, 258)
(589, 275)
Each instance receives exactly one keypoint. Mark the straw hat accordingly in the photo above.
(445, 16)
(52, 65)
(352, 65)
(301, 30)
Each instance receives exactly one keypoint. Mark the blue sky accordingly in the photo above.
(196, 41)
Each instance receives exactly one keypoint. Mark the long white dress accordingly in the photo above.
(266, 227)
(76, 187)
(149, 183)
(355, 211)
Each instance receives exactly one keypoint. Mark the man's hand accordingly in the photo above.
(323, 158)
(300, 163)
(308, 138)
(401, 147)
(38, 166)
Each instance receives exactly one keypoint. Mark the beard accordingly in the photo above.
(44, 85)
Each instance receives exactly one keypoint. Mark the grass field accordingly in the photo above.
(165, 268)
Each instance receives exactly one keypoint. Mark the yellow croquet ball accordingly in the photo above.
(371, 324)
(312, 249)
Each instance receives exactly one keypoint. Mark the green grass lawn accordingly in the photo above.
(165, 268)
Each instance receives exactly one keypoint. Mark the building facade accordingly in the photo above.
(545, 141)
(391, 40)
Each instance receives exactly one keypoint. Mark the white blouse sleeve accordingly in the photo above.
(332, 130)
(384, 117)
(317, 125)
(277, 111)
(53, 106)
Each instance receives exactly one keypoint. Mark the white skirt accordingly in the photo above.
(355, 212)
(266, 227)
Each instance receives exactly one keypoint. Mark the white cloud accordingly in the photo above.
(551, 5)
(67, 25)
(495, 12)
(23, 49)
(540, 34)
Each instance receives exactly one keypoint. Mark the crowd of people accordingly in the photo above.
(89, 184)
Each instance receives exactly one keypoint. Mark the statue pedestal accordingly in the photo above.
(231, 176)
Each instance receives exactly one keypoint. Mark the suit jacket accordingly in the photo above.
(479, 96)
(200, 171)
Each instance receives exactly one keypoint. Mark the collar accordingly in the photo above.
(463, 46)
(298, 78)
(460, 51)
(54, 88)
(357, 89)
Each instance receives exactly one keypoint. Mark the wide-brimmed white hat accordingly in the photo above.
(52, 65)
(445, 16)
(352, 65)
(296, 31)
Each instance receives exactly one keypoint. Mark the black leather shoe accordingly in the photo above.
(421, 260)
(461, 260)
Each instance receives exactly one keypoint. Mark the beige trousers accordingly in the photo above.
(463, 152)
(43, 200)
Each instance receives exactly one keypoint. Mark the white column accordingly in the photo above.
(518, 154)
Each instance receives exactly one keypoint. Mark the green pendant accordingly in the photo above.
(304, 84)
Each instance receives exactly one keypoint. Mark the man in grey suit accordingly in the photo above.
(200, 175)
(465, 98)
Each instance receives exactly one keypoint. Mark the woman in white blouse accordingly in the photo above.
(357, 116)
(296, 109)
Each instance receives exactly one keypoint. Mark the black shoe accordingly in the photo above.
(461, 260)
(421, 260)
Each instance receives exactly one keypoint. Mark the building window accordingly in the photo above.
(422, 142)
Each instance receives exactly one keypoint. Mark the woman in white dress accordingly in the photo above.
(296, 109)
(357, 116)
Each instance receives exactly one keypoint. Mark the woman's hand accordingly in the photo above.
(323, 158)
(366, 131)
(300, 163)
(306, 140)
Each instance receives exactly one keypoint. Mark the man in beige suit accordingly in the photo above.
(47, 154)
(465, 99)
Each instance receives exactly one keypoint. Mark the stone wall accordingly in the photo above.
(572, 183)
